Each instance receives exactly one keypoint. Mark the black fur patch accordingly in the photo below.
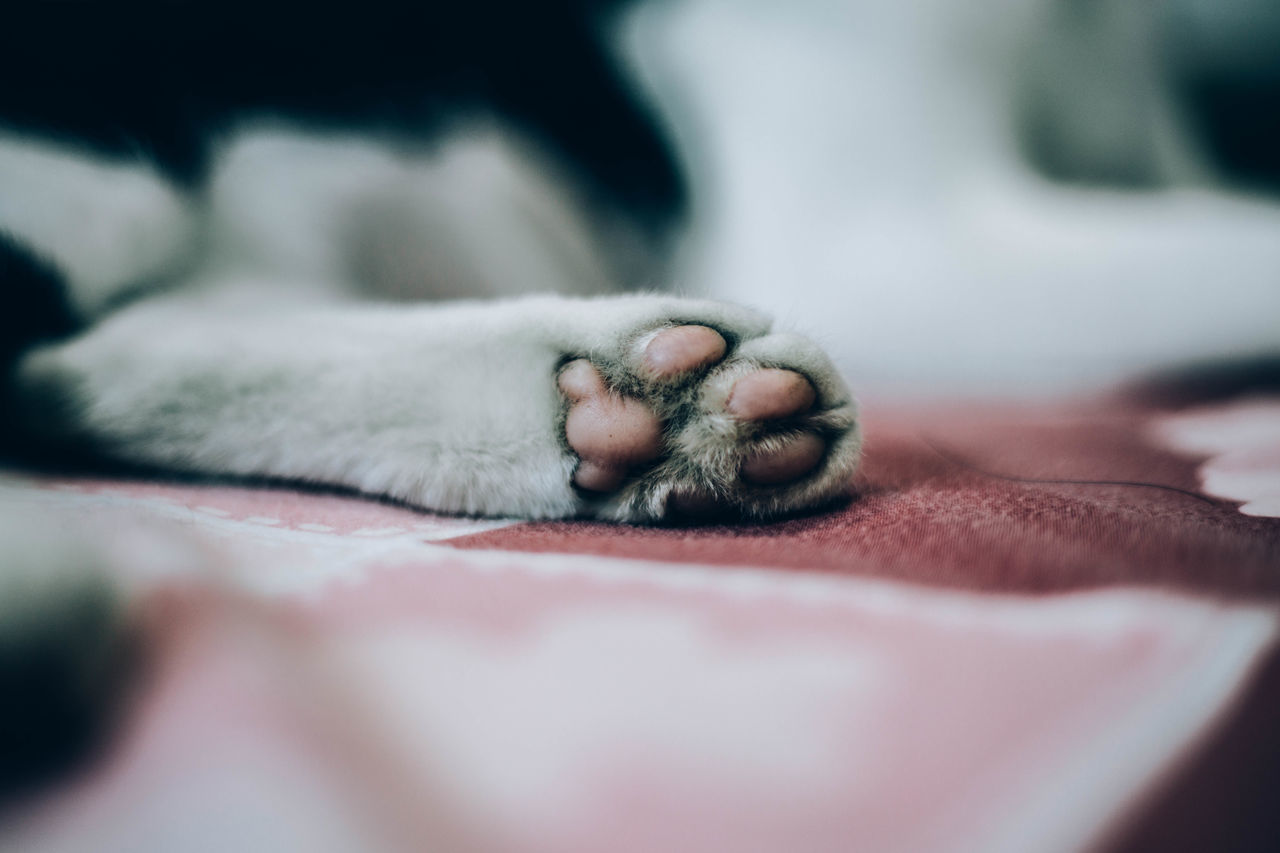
(164, 79)
(34, 304)
(34, 308)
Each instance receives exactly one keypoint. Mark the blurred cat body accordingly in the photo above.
(226, 298)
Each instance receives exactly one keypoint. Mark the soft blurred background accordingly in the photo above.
(1000, 197)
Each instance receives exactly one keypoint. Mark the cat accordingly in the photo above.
(232, 293)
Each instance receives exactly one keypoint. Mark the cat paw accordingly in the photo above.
(693, 420)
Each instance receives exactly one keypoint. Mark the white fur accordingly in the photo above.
(110, 226)
(476, 214)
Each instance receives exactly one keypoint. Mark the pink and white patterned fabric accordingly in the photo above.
(957, 660)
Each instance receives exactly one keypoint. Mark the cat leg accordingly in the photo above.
(480, 212)
(107, 226)
(626, 408)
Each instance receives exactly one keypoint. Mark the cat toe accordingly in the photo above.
(610, 433)
(677, 350)
(579, 381)
(769, 394)
(783, 460)
(599, 477)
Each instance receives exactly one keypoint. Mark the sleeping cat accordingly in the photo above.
(263, 359)
(232, 294)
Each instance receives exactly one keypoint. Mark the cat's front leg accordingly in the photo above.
(627, 408)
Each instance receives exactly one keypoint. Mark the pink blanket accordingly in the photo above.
(980, 652)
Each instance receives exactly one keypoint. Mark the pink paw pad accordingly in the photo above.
(610, 433)
(769, 394)
(680, 349)
(796, 457)
(613, 435)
